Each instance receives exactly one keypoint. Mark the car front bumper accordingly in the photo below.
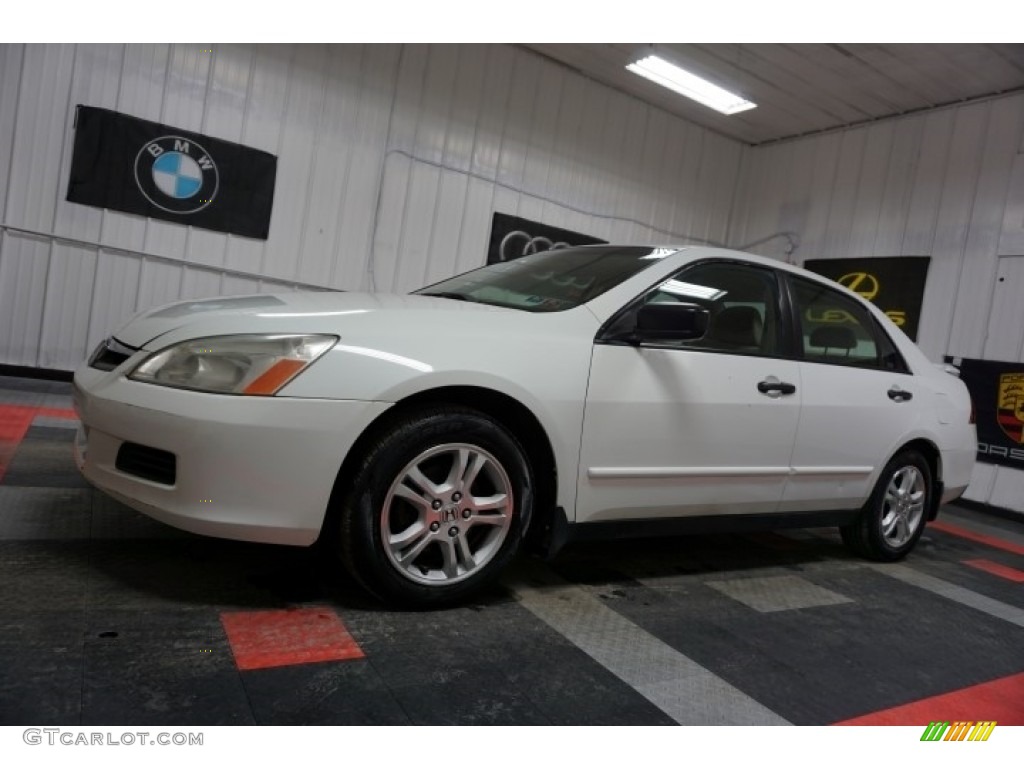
(249, 468)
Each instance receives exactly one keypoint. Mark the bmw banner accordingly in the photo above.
(137, 166)
(894, 284)
(997, 390)
(513, 237)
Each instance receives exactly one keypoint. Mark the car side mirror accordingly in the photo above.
(671, 321)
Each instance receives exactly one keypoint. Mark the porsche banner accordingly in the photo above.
(146, 168)
(894, 284)
(512, 237)
(997, 390)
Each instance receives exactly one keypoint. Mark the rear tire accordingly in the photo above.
(436, 508)
(893, 518)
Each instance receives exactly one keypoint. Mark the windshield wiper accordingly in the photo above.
(451, 295)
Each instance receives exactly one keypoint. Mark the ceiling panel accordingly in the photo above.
(805, 88)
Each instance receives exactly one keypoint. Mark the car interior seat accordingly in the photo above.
(826, 337)
(738, 328)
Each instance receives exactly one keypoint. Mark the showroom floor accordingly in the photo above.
(109, 618)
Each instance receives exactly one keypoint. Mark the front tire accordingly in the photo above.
(894, 516)
(437, 507)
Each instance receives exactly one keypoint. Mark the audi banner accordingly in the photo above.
(997, 389)
(137, 166)
(513, 237)
(894, 284)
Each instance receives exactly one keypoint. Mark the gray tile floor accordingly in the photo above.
(107, 617)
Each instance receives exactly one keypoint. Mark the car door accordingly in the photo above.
(693, 427)
(856, 399)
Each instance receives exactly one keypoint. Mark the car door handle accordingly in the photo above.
(899, 395)
(772, 385)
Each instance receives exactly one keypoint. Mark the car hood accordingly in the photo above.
(301, 312)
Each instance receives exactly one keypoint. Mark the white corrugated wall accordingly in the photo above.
(391, 161)
(948, 184)
(393, 158)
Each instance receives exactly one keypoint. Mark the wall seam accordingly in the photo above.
(375, 223)
(56, 203)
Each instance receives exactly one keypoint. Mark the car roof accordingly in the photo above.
(695, 252)
(711, 251)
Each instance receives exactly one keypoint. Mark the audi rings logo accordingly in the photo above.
(513, 237)
(519, 243)
(176, 174)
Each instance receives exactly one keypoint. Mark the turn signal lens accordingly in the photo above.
(279, 374)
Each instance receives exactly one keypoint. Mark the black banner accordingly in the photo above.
(997, 390)
(150, 169)
(894, 284)
(512, 237)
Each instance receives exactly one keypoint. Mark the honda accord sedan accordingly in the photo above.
(579, 393)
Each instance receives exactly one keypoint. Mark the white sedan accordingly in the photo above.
(578, 393)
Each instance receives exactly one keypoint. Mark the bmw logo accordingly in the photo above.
(176, 174)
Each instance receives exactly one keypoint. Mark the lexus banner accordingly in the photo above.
(512, 237)
(894, 284)
(137, 166)
(997, 390)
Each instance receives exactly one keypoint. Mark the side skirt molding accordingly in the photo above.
(563, 532)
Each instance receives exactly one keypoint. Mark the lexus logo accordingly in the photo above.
(864, 284)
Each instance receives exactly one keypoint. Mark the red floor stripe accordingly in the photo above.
(262, 639)
(14, 423)
(963, 533)
(997, 569)
(1001, 700)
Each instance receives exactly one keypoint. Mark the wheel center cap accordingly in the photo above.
(449, 513)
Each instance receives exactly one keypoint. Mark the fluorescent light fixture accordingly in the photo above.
(689, 85)
(691, 290)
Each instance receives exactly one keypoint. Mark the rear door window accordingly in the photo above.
(836, 329)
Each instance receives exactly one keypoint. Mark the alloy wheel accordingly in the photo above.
(446, 514)
(903, 506)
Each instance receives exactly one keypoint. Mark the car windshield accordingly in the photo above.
(551, 281)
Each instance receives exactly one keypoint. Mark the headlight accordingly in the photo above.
(237, 365)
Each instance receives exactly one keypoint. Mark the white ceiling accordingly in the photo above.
(804, 88)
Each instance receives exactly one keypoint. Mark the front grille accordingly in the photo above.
(109, 354)
(147, 463)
